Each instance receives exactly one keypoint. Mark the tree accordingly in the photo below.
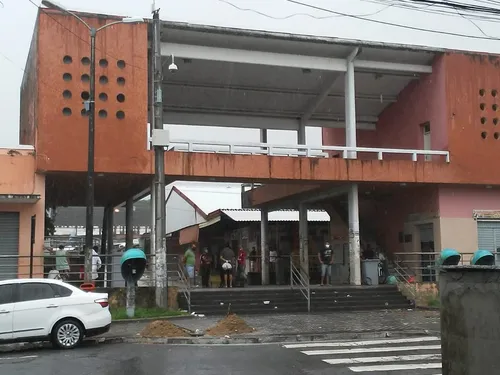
(50, 228)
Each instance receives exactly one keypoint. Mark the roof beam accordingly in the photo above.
(240, 56)
(316, 102)
(255, 122)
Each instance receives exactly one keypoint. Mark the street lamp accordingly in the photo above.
(90, 108)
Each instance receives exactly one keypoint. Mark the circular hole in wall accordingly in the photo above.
(84, 112)
(85, 95)
(67, 59)
(67, 77)
(103, 96)
(482, 92)
(85, 78)
(482, 106)
(496, 135)
(484, 135)
(103, 113)
(494, 107)
(66, 111)
(120, 64)
(495, 121)
(120, 115)
(103, 80)
(103, 63)
(483, 120)
(120, 98)
(85, 61)
(120, 81)
(494, 93)
(67, 94)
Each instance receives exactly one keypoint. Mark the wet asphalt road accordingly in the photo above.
(147, 359)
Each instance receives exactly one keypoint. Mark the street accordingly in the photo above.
(411, 356)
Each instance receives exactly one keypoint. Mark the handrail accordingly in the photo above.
(184, 281)
(300, 278)
(291, 149)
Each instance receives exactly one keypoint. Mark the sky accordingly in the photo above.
(352, 19)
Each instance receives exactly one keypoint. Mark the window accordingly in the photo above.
(61, 291)
(6, 294)
(35, 291)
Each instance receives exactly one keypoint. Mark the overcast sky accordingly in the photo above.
(17, 19)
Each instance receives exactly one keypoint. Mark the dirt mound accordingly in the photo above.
(163, 328)
(230, 325)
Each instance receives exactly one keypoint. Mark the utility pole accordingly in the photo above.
(159, 180)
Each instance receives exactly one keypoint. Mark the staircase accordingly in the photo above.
(284, 300)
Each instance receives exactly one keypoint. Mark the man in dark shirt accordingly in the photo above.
(227, 261)
(326, 259)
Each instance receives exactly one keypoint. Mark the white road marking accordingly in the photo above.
(394, 358)
(416, 366)
(340, 344)
(371, 350)
(17, 358)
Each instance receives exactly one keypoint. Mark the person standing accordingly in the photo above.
(190, 262)
(326, 259)
(227, 260)
(62, 264)
(242, 259)
(96, 263)
(205, 266)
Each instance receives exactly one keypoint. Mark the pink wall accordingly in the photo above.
(399, 125)
(18, 177)
(459, 202)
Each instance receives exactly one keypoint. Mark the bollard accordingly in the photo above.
(470, 319)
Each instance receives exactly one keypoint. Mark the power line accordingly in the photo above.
(415, 28)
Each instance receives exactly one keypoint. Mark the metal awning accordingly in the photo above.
(254, 79)
(19, 198)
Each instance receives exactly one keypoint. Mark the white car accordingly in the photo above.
(50, 310)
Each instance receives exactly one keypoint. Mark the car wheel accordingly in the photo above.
(67, 334)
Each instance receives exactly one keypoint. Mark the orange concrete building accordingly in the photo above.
(410, 134)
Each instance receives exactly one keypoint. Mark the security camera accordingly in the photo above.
(173, 67)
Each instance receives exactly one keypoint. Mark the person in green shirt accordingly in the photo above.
(190, 262)
(62, 265)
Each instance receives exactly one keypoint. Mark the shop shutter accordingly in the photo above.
(488, 235)
(9, 244)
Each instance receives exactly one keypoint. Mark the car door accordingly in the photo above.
(35, 310)
(6, 310)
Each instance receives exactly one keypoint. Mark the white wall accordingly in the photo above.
(180, 214)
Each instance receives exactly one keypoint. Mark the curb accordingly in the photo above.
(427, 308)
(263, 339)
(141, 320)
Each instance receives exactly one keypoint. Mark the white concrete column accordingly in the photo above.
(354, 245)
(350, 104)
(303, 241)
(264, 252)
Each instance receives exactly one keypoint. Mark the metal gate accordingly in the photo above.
(9, 245)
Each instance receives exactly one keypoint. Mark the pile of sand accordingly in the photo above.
(163, 328)
(231, 324)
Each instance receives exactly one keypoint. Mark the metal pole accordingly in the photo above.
(160, 229)
(89, 219)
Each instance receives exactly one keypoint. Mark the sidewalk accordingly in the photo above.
(308, 324)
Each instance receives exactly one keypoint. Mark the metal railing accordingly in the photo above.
(299, 278)
(294, 150)
(176, 273)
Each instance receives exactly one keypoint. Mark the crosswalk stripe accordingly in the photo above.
(394, 358)
(416, 366)
(360, 343)
(371, 350)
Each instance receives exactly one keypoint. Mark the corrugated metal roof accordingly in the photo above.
(281, 215)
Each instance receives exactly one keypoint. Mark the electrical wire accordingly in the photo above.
(299, 14)
(392, 24)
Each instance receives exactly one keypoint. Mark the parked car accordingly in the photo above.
(50, 310)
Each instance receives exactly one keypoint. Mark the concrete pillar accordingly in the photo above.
(303, 241)
(354, 245)
(264, 227)
(350, 104)
(129, 228)
(104, 232)
(263, 135)
(301, 133)
(470, 323)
